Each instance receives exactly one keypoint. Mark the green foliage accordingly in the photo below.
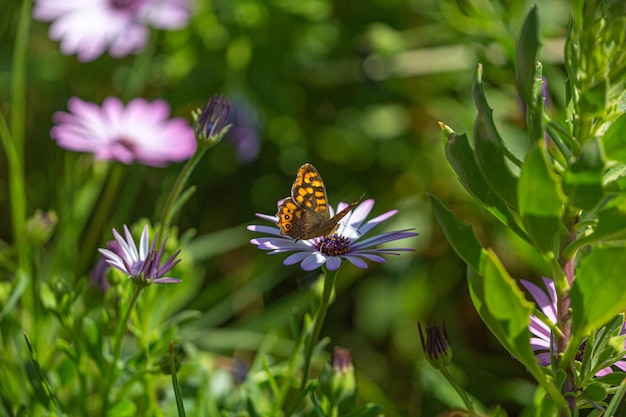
(565, 201)
(352, 87)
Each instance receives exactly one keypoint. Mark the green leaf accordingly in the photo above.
(615, 179)
(597, 294)
(611, 222)
(460, 156)
(490, 150)
(541, 200)
(534, 111)
(595, 392)
(583, 180)
(460, 235)
(593, 99)
(615, 141)
(367, 410)
(504, 309)
(122, 408)
(526, 55)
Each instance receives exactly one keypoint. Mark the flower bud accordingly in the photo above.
(436, 345)
(40, 226)
(210, 124)
(338, 382)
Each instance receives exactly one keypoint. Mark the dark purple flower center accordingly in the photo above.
(125, 4)
(127, 144)
(334, 245)
(137, 267)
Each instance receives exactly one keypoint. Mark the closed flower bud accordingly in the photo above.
(210, 124)
(436, 345)
(40, 226)
(338, 382)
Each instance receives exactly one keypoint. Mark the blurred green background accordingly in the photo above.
(355, 87)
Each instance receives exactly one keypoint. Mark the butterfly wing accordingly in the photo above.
(307, 208)
(309, 192)
(305, 215)
(330, 225)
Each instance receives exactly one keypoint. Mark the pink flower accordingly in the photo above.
(140, 132)
(541, 333)
(89, 27)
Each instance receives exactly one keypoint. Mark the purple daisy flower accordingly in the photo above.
(542, 335)
(143, 264)
(90, 27)
(140, 132)
(345, 243)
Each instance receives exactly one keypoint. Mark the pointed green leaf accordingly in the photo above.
(489, 148)
(583, 181)
(615, 140)
(597, 294)
(460, 156)
(460, 235)
(367, 410)
(593, 100)
(534, 111)
(504, 309)
(611, 223)
(541, 200)
(526, 55)
(122, 408)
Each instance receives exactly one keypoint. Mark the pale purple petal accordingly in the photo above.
(139, 132)
(383, 238)
(343, 244)
(167, 280)
(113, 259)
(295, 258)
(537, 343)
(264, 229)
(271, 219)
(89, 27)
(370, 256)
(604, 371)
(143, 264)
(545, 303)
(543, 358)
(621, 365)
(313, 261)
(539, 328)
(356, 261)
(333, 263)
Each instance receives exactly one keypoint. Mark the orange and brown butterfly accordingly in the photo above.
(305, 215)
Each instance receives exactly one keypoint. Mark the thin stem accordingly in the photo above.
(109, 197)
(14, 143)
(329, 285)
(291, 370)
(119, 337)
(564, 321)
(177, 189)
(177, 393)
(464, 397)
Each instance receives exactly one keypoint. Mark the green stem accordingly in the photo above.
(291, 371)
(14, 143)
(119, 337)
(177, 189)
(177, 393)
(109, 197)
(329, 285)
(464, 397)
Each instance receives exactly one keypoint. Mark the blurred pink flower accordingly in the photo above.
(140, 132)
(90, 27)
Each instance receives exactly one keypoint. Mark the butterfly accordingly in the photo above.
(305, 215)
